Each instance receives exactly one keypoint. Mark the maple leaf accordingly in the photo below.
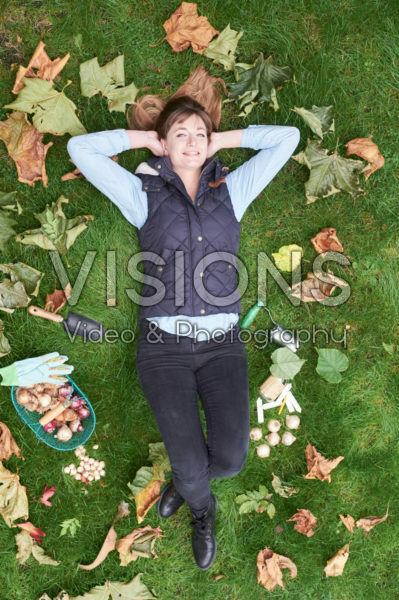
(269, 566)
(336, 564)
(27, 547)
(139, 542)
(367, 523)
(329, 173)
(222, 49)
(33, 531)
(259, 81)
(8, 445)
(24, 145)
(305, 521)
(46, 494)
(47, 69)
(317, 287)
(52, 111)
(348, 521)
(5, 347)
(367, 149)
(185, 27)
(326, 241)
(318, 466)
(319, 118)
(109, 80)
(12, 295)
(57, 231)
(133, 590)
(27, 275)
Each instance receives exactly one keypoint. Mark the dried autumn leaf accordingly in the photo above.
(8, 445)
(367, 149)
(185, 27)
(146, 489)
(329, 173)
(46, 494)
(317, 287)
(24, 145)
(319, 118)
(52, 111)
(269, 566)
(305, 522)
(336, 564)
(34, 532)
(8, 204)
(12, 295)
(222, 49)
(367, 523)
(27, 546)
(326, 240)
(47, 68)
(5, 347)
(27, 275)
(348, 521)
(139, 542)
(284, 491)
(134, 590)
(55, 301)
(318, 466)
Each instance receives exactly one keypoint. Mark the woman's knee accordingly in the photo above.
(229, 466)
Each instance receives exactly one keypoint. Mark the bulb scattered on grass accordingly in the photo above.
(273, 425)
(263, 451)
(255, 433)
(292, 421)
(273, 438)
(288, 439)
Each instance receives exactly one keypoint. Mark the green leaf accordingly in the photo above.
(263, 490)
(52, 111)
(157, 456)
(284, 491)
(271, 510)
(241, 498)
(247, 507)
(319, 119)
(70, 526)
(109, 80)
(222, 49)
(6, 228)
(57, 231)
(288, 258)
(259, 81)
(330, 363)
(390, 348)
(329, 173)
(134, 590)
(29, 276)
(5, 347)
(286, 364)
(12, 295)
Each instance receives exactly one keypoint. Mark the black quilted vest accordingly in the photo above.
(194, 244)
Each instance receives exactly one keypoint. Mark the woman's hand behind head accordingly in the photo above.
(213, 144)
(154, 144)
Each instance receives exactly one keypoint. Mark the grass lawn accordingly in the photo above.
(344, 53)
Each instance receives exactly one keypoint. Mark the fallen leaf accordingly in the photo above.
(46, 494)
(8, 204)
(222, 49)
(27, 275)
(318, 466)
(57, 231)
(55, 301)
(278, 529)
(329, 173)
(284, 491)
(331, 363)
(367, 523)
(139, 542)
(8, 445)
(336, 564)
(326, 241)
(319, 118)
(317, 287)
(288, 258)
(348, 521)
(305, 522)
(47, 69)
(286, 364)
(12, 295)
(24, 145)
(202, 87)
(134, 590)
(123, 510)
(185, 27)
(5, 347)
(27, 546)
(269, 566)
(34, 532)
(52, 111)
(367, 149)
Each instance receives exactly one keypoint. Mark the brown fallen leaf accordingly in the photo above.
(139, 542)
(367, 149)
(8, 445)
(202, 87)
(336, 564)
(348, 521)
(24, 145)
(367, 523)
(269, 566)
(34, 532)
(13, 498)
(305, 521)
(318, 466)
(27, 547)
(185, 27)
(55, 301)
(76, 174)
(313, 289)
(326, 241)
(47, 69)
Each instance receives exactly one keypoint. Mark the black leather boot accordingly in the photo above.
(203, 539)
(169, 501)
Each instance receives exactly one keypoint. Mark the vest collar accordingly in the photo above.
(212, 169)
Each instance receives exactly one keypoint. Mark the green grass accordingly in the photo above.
(343, 53)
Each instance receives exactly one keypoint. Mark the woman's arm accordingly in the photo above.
(90, 154)
(275, 143)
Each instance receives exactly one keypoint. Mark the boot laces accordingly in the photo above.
(203, 526)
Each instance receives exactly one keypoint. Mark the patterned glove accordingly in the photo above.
(41, 369)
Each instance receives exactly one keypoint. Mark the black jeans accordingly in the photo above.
(172, 371)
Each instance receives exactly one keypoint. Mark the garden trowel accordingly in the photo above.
(73, 324)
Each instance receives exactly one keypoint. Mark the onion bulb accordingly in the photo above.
(263, 451)
(64, 433)
(288, 439)
(273, 425)
(273, 438)
(292, 421)
(255, 433)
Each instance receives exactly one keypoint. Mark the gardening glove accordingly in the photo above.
(47, 368)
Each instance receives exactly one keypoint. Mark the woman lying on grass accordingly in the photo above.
(187, 208)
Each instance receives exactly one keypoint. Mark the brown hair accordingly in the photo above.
(198, 95)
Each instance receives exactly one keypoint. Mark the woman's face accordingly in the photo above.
(186, 143)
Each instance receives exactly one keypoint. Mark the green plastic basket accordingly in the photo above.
(32, 420)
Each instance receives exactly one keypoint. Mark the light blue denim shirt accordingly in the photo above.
(91, 154)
